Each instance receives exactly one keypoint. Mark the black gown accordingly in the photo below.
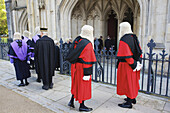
(45, 57)
(21, 67)
(57, 57)
(100, 44)
(31, 45)
(108, 44)
(35, 62)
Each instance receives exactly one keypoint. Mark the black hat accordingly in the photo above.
(43, 29)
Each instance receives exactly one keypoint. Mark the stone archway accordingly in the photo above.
(67, 11)
(23, 22)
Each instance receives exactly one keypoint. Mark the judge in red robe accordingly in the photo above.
(82, 57)
(128, 72)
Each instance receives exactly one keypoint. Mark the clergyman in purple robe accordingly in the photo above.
(18, 53)
(27, 37)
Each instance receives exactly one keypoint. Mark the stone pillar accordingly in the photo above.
(135, 25)
(51, 19)
(8, 4)
(29, 15)
(167, 38)
(33, 16)
(102, 28)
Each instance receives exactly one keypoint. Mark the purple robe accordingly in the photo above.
(21, 52)
(35, 38)
(18, 56)
(25, 38)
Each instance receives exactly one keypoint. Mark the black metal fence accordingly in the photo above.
(4, 47)
(154, 77)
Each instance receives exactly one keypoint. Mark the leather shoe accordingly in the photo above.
(71, 105)
(133, 100)
(45, 87)
(86, 109)
(27, 83)
(21, 84)
(51, 86)
(125, 105)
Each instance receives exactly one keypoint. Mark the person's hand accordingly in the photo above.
(28, 62)
(11, 60)
(86, 78)
(138, 67)
(32, 58)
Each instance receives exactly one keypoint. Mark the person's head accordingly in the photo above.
(95, 38)
(17, 36)
(101, 37)
(56, 42)
(87, 32)
(37, 31)
(43, 31)
(26, 33)
(125, 28)
(70, 40)
(67, 40)
(108, 37)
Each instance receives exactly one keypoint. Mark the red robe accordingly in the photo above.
(80, 88)
(127, 79)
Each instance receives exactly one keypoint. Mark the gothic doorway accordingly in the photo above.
(112, 28)
(104, 16)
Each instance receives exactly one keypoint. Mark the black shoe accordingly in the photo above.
(38, 80)
(51, 86)
(125, 105)
(21, 84)
(86, 109)
(133, 100)
(71, 105)
(45, 87)
(27, 83)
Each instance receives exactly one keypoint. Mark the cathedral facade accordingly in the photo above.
(64, 18)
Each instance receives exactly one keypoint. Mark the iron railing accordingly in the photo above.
(154, 77)
(4, 47)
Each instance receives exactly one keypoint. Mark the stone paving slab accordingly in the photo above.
(167, 106)
(12, 102)
(111, 107)
(104, 97)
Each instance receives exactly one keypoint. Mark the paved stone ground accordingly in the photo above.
(12, 102)
(104, 98)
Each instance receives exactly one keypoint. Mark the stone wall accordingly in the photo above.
(64, 18)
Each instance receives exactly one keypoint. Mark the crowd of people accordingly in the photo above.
(42, 53)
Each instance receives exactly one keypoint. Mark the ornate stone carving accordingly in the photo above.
(77, 14)
(93, 13)
(41, 4)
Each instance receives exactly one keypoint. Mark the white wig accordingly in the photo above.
(17, 36)
(37, 31)
(87, 32)
(125, 28)
(26, 33)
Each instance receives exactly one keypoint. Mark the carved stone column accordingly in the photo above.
(8, 4)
